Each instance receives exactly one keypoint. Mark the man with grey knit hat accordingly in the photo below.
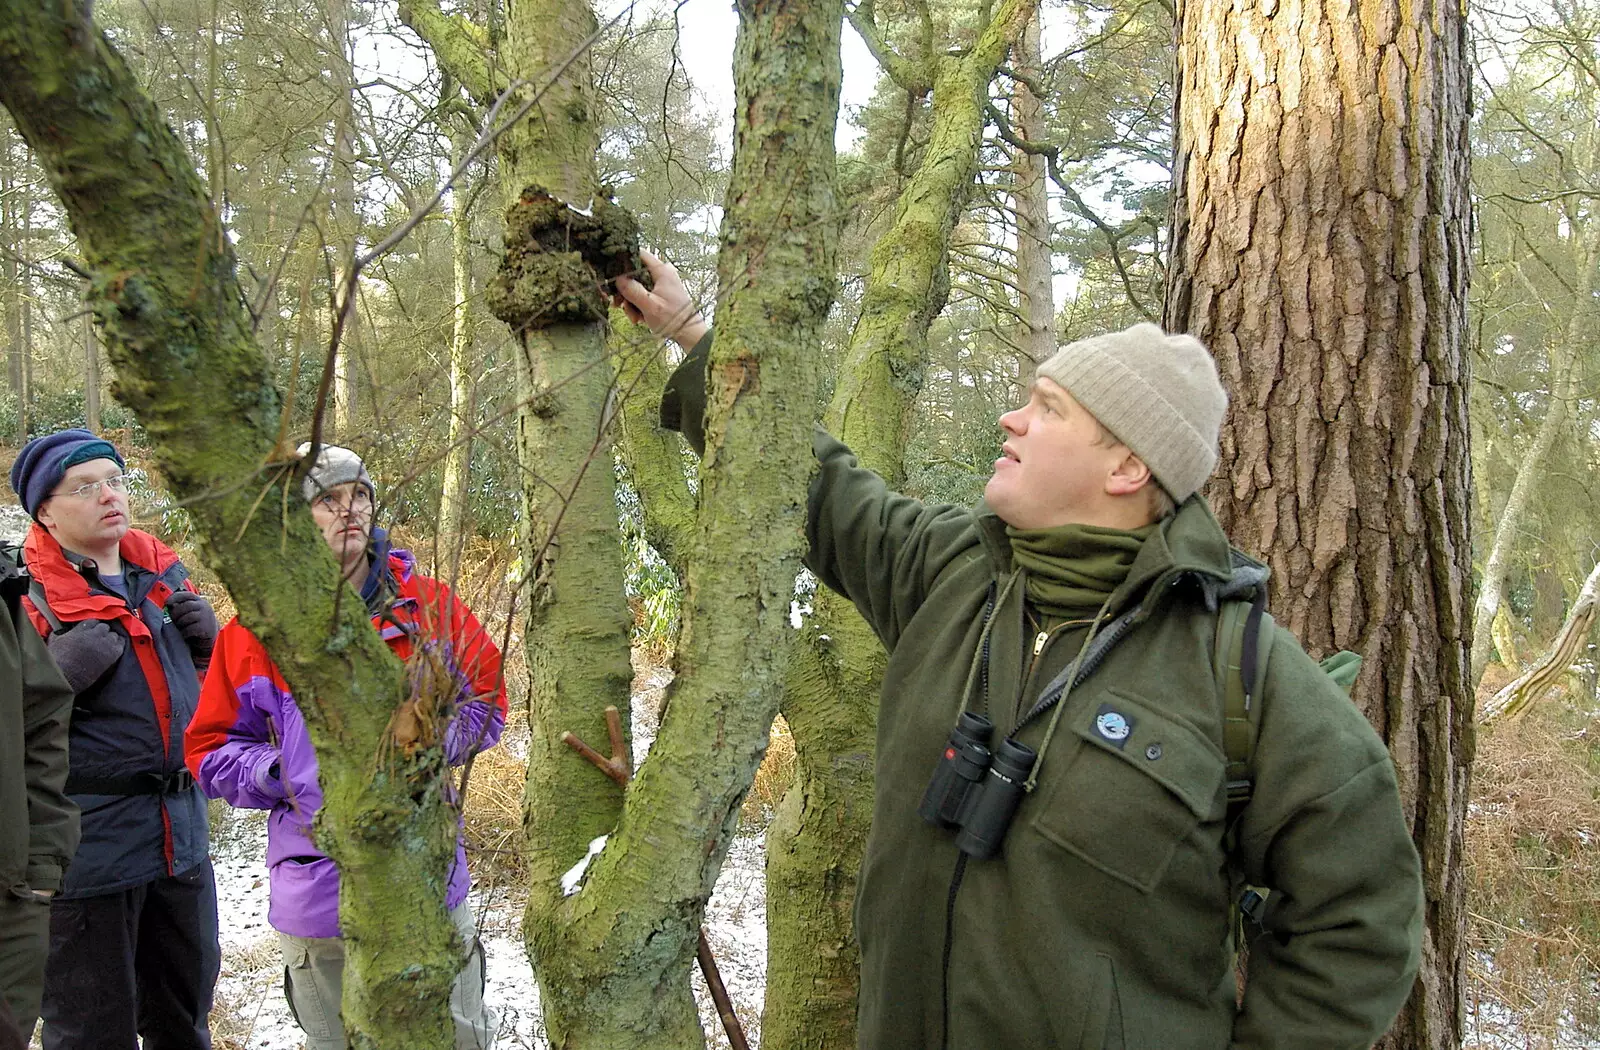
(1058, 834)
(248, 744)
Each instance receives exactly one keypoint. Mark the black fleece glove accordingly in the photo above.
(85, 651)
(196, 621)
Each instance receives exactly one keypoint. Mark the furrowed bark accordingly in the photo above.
(164, 288)
(816, 841)
(1319, 249)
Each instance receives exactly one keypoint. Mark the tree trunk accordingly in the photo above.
(1515, 698)
(654, 457)
(576, 634)
(1564, 365)
(346, 219)
(10, 273)
(25, 294)
(632, 929)
(454, 520)
(1558, 412)
(816, 840)
(164, 288)
(1505, 641)
(1319, 249)
(91, 377)
(1036, 332)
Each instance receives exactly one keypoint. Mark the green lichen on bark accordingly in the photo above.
(816, 842)
(654, 457)
(163, 286)
(560, 261)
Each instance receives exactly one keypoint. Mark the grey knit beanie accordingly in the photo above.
(334, 466)
(1158, 393)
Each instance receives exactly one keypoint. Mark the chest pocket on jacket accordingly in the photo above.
(1136, 783)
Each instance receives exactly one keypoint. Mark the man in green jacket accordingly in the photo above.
(38, 822)
(1074, 612)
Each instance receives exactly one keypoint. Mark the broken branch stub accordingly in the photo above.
(560, 260)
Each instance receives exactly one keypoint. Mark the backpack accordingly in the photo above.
(1244, 640)
(35, 590)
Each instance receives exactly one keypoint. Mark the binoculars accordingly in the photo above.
(975, 791)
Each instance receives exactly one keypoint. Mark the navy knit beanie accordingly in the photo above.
(44, 460)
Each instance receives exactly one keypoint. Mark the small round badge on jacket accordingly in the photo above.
(1113, 725)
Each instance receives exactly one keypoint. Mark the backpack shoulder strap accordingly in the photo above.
(1244, 639)
(35, 589)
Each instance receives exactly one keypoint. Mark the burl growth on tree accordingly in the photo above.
(560, 260)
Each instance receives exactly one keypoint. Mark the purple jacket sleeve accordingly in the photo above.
(476, 726)
(231, 747)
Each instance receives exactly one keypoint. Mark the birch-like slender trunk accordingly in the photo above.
(1515, 698)
(1582, 327)
(91, 377)
(1557, 417)
(612, 959)
(346, 219)
(1036, 330)
(454, 519)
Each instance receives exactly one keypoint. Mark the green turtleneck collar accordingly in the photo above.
(1072, 569)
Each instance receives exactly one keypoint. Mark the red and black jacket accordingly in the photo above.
(143, 817)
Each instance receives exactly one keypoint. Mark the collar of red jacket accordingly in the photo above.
(64, 586)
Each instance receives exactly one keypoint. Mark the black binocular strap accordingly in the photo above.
(949, 943)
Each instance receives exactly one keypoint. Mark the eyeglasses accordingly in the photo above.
(89, 490)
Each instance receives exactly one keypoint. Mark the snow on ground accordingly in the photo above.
(251, 1013)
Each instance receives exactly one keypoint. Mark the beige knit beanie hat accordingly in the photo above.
(1158, 393)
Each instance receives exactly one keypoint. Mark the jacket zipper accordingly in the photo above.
(1040, 643)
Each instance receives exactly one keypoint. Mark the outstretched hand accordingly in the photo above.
(667, 310)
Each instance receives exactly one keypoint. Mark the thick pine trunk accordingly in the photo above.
(816, 841)
(164, 288)
(1320, 249)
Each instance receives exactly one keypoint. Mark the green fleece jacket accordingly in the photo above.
(1103, 924)
(38, 822)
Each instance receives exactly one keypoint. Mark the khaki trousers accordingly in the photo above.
(313, 982)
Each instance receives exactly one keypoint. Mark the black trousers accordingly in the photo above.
(139, 962)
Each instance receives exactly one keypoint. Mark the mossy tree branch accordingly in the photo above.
(164, 288)
(462, 47)
(654, 457)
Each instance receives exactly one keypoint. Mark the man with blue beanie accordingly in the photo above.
(133, 932)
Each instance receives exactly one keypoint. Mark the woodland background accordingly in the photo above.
(322, 127)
